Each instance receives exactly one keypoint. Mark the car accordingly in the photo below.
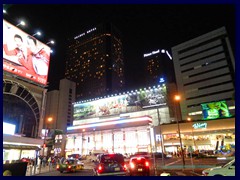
(70, 165)
(110, 165)
(139, 166)
(225, 170)
(141, 154)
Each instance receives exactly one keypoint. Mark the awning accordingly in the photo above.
(21, 147)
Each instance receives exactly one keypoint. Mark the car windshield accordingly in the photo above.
(68, 161)
(136, 160)
(111, 159)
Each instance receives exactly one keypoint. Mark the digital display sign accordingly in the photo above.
(121, 103)
(215, 110)
(24, 56)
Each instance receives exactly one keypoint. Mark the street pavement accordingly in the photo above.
(171, 166)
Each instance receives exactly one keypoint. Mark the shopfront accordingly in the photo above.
(214, 135)
(125, 135)
(17, 147)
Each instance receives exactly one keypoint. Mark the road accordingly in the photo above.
(173, 166)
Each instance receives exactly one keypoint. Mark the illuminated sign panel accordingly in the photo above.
(199, 125)
(121, 103)
(9, 128)
(215, 110)
(23, 55)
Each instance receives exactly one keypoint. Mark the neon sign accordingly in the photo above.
(199, 125)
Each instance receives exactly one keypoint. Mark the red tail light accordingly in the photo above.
(132, 165)
(125, 167)
(69, 167)
(147, 164)
(100, 168)
(57, 166)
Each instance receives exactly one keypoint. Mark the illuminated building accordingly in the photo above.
(123, 123)
(158, 66)
(95, 62)
(205, 72)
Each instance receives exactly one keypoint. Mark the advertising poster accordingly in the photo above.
(121, 104)
(215, 110)
(23, 55)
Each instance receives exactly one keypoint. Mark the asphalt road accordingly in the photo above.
(173, 166)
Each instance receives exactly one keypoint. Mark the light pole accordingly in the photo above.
(49, 120)
(177, 99)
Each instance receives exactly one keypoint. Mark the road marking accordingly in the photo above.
(172, 162)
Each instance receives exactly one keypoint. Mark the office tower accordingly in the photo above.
(205, 72)
(59, 106)
(158, 67)
(95, 62)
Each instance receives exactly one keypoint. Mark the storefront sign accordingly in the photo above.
(199, 125)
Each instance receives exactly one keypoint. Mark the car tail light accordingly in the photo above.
(69, 167)
(57, 166)
(132, 165)
(139, 158)
(125, 167)
(100, 168)
(147, 164)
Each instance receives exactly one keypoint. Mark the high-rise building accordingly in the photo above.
(59, 106)
(158, 67)
(95, 62)
(205, 72)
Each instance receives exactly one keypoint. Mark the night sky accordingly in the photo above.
(145, 28)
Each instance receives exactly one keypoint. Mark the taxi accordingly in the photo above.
(70, 165)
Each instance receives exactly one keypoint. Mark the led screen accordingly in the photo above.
(215, 110)
(120, 104)
(23, 55)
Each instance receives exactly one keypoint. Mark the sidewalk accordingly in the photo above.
(31, 170)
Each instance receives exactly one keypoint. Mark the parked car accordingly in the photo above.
(94, 155)
(70, 165)
(139, 166)
(225, 170)
(110, 165)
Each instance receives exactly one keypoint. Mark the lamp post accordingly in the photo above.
(177, 99)
(49, 120)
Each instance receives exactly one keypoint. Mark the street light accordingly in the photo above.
(44, 144)
(21, 23)
(177, 99)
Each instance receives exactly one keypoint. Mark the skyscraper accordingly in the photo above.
(205, 72)
(95, 62)
(158, 67)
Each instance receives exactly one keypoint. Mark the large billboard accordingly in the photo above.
(215, 110)
(129, 102)
(24, 55)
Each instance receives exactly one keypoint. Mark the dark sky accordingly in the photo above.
(144, 28)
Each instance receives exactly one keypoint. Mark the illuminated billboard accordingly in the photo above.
(215, 110)
(23, 55)
(122, 103)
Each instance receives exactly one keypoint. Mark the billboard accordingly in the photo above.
(24, 56)
(215, 110)
(122, 103)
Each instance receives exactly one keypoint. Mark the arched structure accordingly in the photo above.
(14, 88)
